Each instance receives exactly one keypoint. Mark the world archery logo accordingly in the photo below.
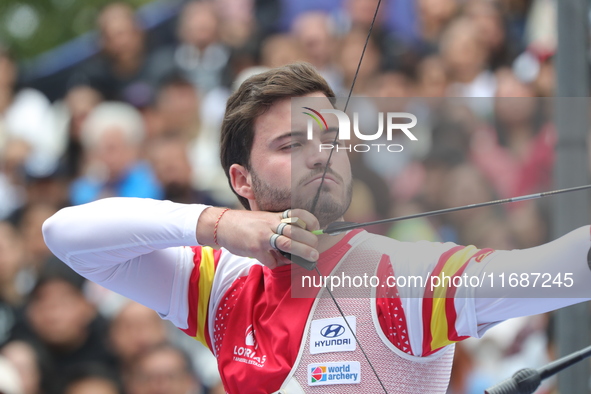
(344, 129)
(343, 372)
(318, 374)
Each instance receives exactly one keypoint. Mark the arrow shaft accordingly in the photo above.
(339, 229)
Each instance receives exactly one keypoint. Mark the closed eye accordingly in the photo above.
(290, 146)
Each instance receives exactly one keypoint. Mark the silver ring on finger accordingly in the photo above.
(286, 214)
(273, 241)
(281, 227)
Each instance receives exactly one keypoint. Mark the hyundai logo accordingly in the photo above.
(332, 331)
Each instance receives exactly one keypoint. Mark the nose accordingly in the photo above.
(318, 154)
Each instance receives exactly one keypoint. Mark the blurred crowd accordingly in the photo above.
(141, 119)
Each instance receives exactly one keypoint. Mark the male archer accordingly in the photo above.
(237, 299)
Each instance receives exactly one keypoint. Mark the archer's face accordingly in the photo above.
(286, 167)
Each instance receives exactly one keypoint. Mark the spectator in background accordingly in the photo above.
(12, 180)
(163, 369)
(11, 261)
(26, 361)
(208, 57)
(179, 115)
(432, 79)
(8, 76)
(36, 253)
(465, 184)
(358, 15)
(120, 71)
(465, 55)
(501, 44)
(280, 49)
(91, 379)
(177, 106)
(200, 56)
(417, 25)
(26, 115)
(133, 330)
(433, 17)
(535, 67)
(423, 184)
(112, 137)
(348, 56)
(544, 82)
(10, 382)
(29, 140)
(539, 28)
(237, 24)
(391, 84)
(173, 170)
(518, 156)
(50, 190)
(313, 31)
(529, 224)
(62, 325)
(467, 376)
(78, 103)
(30, 165)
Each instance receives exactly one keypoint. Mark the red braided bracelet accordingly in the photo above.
(215, 229)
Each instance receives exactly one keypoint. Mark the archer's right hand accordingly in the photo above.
(248, 233)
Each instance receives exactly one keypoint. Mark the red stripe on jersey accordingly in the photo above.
(389, 307)
(482, 254)
(191, 330)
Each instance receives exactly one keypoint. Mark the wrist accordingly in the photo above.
(206, 226)
(215, 227)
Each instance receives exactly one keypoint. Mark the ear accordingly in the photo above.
(241, 181)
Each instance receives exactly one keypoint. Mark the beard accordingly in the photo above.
(328, 207)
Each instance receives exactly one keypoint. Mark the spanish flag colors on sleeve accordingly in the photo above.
(439, 311)
(200, 287)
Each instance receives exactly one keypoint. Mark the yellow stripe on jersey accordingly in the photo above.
(206, 272)
(439, 322)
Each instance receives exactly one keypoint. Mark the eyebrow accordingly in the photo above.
(302, 134)
(289, 134)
